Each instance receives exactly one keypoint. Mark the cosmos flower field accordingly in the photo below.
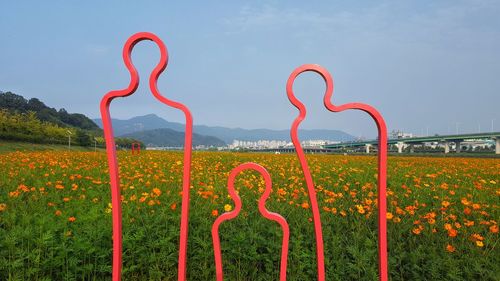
(55, 217)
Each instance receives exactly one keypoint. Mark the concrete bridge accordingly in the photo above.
(444, 140)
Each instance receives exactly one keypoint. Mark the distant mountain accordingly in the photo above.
(141, 123)
(151, 121)
(18, 104)
(172, 138)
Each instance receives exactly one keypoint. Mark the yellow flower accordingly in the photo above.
(360, 208)
(3, 206)
(389, 215)
(479, 243)
(228, 207)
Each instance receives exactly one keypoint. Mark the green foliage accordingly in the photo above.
(83, 138)
(26, 127)
(18, 104)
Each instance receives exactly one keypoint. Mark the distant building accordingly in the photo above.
(400, 135)
(272, 144)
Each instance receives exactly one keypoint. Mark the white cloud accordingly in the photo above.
(95, 49)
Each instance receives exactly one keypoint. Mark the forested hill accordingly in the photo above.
(18, 104)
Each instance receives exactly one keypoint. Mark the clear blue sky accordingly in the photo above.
(423, 64)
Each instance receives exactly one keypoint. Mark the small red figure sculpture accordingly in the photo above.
(136, 148)
(262, 209)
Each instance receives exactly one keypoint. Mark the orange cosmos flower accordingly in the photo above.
(71, 219)
(494, 228)
(173, 206)
(467, 211)
(445, 204)
(450, 248)
(14, 193)
(389, 215)
(156, 191)
(3, 206)
(57, 213)
(477, 237)
(416, 231)
(305, 205)
(452, 233)
(215, 213)
(469, 223)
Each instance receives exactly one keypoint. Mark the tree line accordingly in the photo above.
(28, 128)
(32, 121)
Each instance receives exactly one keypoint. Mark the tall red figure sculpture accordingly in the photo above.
(382, 165)
(111, 151)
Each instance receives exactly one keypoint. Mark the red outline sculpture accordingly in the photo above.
(111, 150)
(136, 147)
(382, 164)
(262, 209)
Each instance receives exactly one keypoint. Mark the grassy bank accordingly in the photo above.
(7, 146)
